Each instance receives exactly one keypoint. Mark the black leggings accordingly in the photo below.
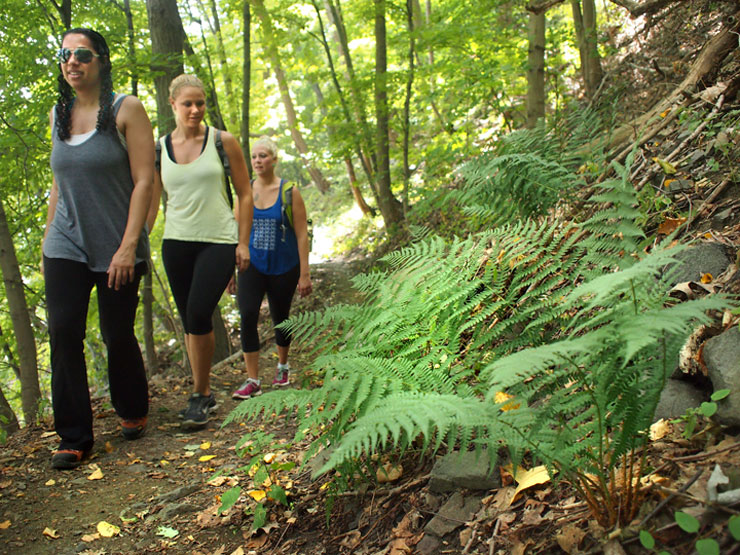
(68, 286)
(198, 274)
(252, 288)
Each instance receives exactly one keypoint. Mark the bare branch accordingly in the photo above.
(637, 9)
(541, 7)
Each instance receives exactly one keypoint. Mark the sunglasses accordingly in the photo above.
(82, 55)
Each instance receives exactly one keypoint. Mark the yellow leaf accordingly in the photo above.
(324, 486)
(257, 494)
(5, 525)
(206, 458)
(502, 397)
(528, 478)
(660, 429)
(205, 445)
(664, 113)
(49, 533)
(50, 482)
(707, 278)
(389, 473)
(269, 457)
(97, 474)
(667, 167)
(108, 530)
(164, 462)
(109, 447)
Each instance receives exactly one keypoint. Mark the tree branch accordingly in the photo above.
(543, 6)
(636, 9)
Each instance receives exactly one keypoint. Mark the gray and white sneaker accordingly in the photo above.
(196, 414)
(212, 405)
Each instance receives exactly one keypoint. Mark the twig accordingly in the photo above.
(492, 541)
(705, 455)
(471, 540)
(717, 190)
(663, 503)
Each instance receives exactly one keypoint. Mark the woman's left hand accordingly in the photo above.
(121, 269)
(242, 256)
(304, 286)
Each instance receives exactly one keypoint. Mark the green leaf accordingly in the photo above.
(646, 539)
(261, 475)
(686, 522)
(167, 532)
(278, 494)
(734, 525)
(283, 466)
(260, 516)
(228, 498)
(720, 394)
(707, 547)
(708, 409)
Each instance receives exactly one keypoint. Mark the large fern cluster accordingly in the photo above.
(573, 321)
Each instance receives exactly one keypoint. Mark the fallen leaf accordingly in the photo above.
(707, 278)
(389, 473)
(97, 474)
(670, 225)
(109, 447)
(351, 539)
(90, 537)
(569, 537)
(660, 429)
(257, 494)
(167, 532)
(269, 457)
(4, 525)
(107, 530)
(49, 533)
(206, 458)
(50, 482)
(238, 551)
(257, 542)
(528, 478)
(502, 397)
(205, 445)
(664, 113)
(667, 167)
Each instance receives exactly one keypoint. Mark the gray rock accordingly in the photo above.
(457, 511)
(429, 545)
(677, 397)
(175, 510)
(463, 470)
(700, 259)
(722, 357)
(174, 495)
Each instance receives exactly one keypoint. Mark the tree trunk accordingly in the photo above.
(246, 81)
(8, 419)
(150, 351)
(390, 208)
(166, 32)
(25, 341)
(231, 100)
(594, 73)
(10, 361)
(274, 56)
(366, 209)
(131, 47)
(407, 107)
(580, 41)
(536, 69)
(223, 343)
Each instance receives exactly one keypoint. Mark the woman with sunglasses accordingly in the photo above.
(102, 159)
(279, 265)
(202, 241)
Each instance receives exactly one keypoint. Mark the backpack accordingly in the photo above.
(224, 162)
(286, 212)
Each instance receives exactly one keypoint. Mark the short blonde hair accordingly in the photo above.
(268, 144)
(184, 80)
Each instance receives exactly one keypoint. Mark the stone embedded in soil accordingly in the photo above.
(454, 513)
(467, 470)
(722, 356)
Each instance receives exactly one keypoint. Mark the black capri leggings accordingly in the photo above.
(198, 274)
(252, 288)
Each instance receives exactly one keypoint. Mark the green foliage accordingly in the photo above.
(690, 525)
(573, 321)
(706, 410)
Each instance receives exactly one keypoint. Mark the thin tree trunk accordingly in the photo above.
(25, 341)
(150, 351)
(366, 209)
(231, 99)
(536, 69)
(10, 360)
(223, 345)
(590, 35)
(246, 79)
(131, 47)
(407, 108)
(166, 32)
(390, 208)
(580, 41)
(272, 52)
(8, 419)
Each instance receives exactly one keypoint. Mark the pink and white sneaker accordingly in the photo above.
(282, 377)
(250, 388)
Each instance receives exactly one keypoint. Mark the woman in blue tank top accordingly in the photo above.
(278, 265)
(103, 162)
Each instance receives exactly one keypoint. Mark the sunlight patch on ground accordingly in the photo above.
(325, 236)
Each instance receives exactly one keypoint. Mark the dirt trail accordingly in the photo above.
(157, 485)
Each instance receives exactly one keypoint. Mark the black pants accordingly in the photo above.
(68, 287)
(252, 288)
(198, 274)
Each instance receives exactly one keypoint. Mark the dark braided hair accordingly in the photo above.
(63, 109)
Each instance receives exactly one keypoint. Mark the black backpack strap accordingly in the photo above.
(158, 156)
(225, 162)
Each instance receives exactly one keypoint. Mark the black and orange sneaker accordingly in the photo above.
(65, 459)
(133, 428)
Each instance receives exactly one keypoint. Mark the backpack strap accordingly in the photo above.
(158, 156)
(225, 163)
(286, 205)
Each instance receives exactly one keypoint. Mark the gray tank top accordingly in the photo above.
(95, 186)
